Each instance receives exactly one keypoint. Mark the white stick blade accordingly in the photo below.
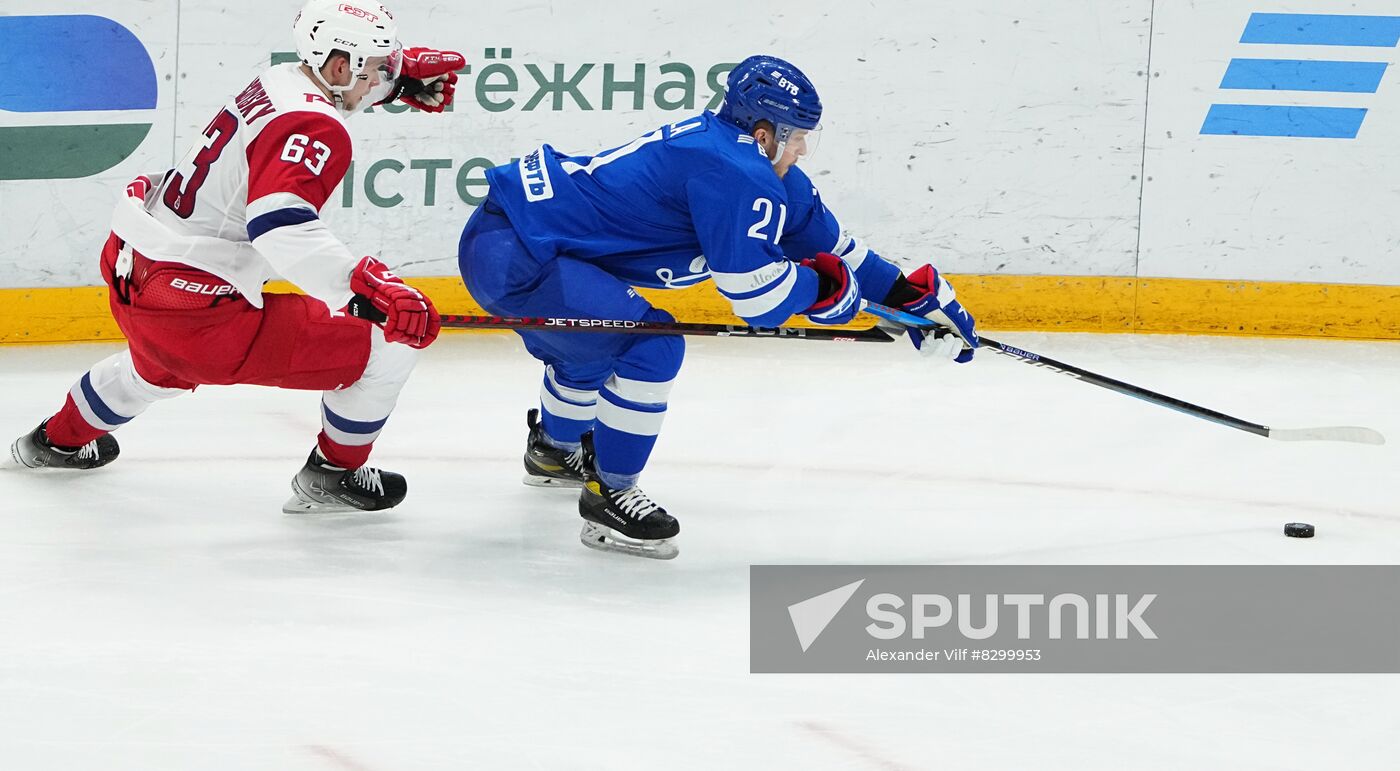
(1355, 434)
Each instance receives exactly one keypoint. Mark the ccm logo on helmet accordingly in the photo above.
(360, 12)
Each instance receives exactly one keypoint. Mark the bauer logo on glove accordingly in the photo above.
(926, 293)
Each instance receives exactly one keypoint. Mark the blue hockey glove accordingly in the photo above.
(926, 293)
(838, 294)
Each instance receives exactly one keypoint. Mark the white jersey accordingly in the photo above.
(244, 204)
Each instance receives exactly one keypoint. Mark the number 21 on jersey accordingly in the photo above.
(764, 207)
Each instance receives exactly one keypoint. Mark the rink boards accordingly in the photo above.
(1121, 165)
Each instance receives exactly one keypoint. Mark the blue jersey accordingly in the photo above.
(687, 202)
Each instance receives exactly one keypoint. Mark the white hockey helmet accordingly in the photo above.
(362, 30)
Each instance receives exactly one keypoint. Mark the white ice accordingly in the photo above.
(163, 614)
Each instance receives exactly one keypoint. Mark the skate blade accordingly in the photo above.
(295, 505)
(531, 480)
(596, 536)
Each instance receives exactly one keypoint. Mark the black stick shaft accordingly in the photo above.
(1078, 373)
(1128, 389)
(543, 324)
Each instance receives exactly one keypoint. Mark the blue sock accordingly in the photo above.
(630, 413)
(566, 413)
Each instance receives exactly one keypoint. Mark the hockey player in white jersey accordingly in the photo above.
(190, 251)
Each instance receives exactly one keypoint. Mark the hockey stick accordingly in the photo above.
(543, 324)
(360, 307)
(1322, 434)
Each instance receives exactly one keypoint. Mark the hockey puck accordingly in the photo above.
(1298, 530)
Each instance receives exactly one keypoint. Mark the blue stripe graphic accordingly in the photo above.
(279, 218)
(351, 426)
(99, 407)
(71, 63)
(1262, 120)
(1298, 75)
(1319, 29)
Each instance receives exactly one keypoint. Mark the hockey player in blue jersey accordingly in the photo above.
(717, 196)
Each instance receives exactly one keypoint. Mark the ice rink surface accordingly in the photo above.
(162, 613)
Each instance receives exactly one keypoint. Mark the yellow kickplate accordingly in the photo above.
(999, 302)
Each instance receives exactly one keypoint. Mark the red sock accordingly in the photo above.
(343, 455)
(68, 428)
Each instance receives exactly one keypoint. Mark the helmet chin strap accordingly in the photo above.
(337, 92)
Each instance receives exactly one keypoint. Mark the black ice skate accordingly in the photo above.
(322, 488)
(547, 465)
(624, 520)
(34, 450)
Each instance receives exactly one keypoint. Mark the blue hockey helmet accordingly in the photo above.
(768, 88)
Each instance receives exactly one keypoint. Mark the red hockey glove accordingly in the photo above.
(838, 294)
(411, 318)
(428, 80)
